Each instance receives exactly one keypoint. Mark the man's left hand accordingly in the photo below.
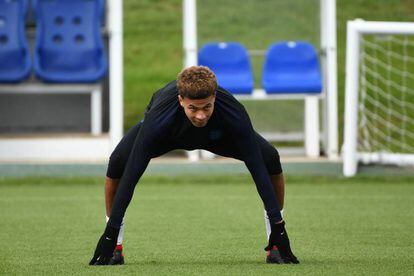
(106, 246)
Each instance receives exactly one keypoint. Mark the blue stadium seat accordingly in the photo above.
(230, 62)
(292, 67)
(69, 46)
(15, 63)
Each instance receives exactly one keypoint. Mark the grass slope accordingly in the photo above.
(153, 36)
(209, 225)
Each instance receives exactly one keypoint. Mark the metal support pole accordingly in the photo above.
(331, 79)
(96, 112)
(311, 122)
(190, 47)
(116, 83)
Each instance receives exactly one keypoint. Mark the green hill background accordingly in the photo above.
(153, 52)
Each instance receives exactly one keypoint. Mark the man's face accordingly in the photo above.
(198, 111)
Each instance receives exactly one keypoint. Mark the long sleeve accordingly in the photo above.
(253, 159)
(152, 140)
(135, 167)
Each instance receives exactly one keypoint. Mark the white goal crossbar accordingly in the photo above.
(356, 30)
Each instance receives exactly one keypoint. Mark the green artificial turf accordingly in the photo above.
(189, 225)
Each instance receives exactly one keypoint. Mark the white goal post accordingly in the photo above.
(379, 94)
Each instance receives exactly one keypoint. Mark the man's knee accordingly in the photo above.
(270, 156)
(113, 182)
(272, 161)
(116, 166)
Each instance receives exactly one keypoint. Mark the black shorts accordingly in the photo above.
(120, 155)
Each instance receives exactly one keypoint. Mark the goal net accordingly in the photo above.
(379, 119)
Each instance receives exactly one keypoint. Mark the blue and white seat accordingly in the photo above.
(231, 65)
(292, 67)
(69, 46)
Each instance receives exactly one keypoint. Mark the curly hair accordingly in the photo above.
(196, 82)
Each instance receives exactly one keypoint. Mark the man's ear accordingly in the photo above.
(180, 100)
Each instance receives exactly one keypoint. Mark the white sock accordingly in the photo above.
(121, 231)
(267, 223)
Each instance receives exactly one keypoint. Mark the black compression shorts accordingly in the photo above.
(120, 155)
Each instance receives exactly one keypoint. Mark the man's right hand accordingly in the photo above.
(278, 250)
(105, 247)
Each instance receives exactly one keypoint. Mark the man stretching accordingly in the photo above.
(193, 113)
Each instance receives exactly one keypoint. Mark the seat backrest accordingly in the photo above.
(101, 3)
(230, 62)
(224, 57)
(291, 56)
(69, 40)
(14, 51)
(292, 66)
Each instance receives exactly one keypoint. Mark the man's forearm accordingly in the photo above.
(111, 185)
(278, 183)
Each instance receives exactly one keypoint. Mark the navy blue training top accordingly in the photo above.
(165, 127)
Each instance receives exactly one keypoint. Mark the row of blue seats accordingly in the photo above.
(289, 67)
(68, 44)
